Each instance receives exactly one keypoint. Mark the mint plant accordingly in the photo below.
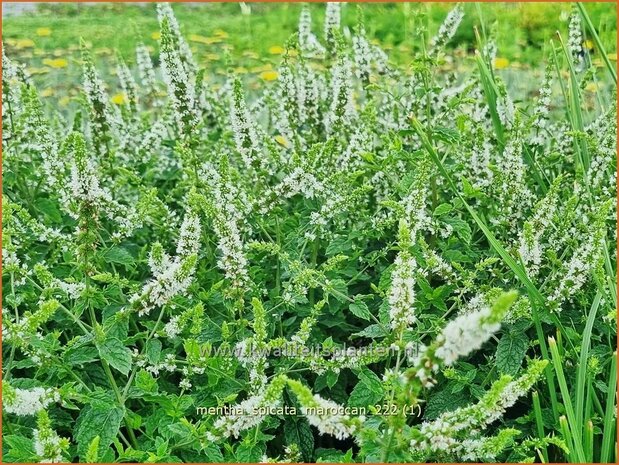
(360, 261)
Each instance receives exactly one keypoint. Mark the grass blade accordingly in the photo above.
(539, 423)
(572, 424)
(581, 372)
(608, 439)
(596, 39)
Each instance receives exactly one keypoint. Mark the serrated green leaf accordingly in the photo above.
(118, 255)
(101, 420)
(510, 352)
(361, 310)
(114, 352)
(153, 351)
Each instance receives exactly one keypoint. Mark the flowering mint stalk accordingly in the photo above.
(332, 25)
(461, 336)
(447, 29)
(166, 14)
(146, 70)
(575, 40)
(451, 432)
(180, 88)
(48, 446)
(323, 413)
(530, 248)
(127, 83)
(308, 42)
(171, 276)
(226, 224)
(250, 412)
(587, 258)
(245, 130)
(542, 108)
(103, 119)
(26, 402)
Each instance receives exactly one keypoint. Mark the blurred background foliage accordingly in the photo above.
(250, 36)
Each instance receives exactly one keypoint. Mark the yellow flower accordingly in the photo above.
(501, 63)
(269, 75)
(276, 50)
(155, 35)
(281, 140)
(24, 43)
(56, 62)
(612, 56)
(119, 99)
(220, 33)
(47, 92)
(592, 87)
(588, 44)
(44, 32)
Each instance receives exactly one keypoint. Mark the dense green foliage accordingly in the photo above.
(357, 259)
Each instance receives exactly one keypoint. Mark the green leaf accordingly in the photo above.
(49, 209)
(97, 419)
(372, 331)
(444, 401)
(92, 454)
(368, 391)
(118, 255)
(442, 209)
(213, 453)
(153, 350)
(114, 352)
(510, 352)
(248, 453)
(461, 228)
(18, 449)
(298, 431)
(361, 310)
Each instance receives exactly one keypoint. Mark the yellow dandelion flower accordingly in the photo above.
(56, 63)
(588, 44)
(269, 75)
(119, 99)
(592, 87)
(501, 63)
(276, 50)
(281, 140)
(44, 32)
(155, 35)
